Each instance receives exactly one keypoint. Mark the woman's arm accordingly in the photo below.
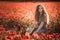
(30, 29)
(40, 26)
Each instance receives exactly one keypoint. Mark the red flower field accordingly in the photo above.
(16, 16)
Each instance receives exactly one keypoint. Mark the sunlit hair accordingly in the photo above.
(43, 12)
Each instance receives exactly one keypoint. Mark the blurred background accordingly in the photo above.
(15, 15)
(32, 0)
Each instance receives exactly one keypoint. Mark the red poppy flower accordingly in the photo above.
(20, 38)
(35, 35)
(27, 36)
(8, 32)
(43, 34)
(49, 36)
(2, 29)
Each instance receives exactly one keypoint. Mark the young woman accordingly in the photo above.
(42, 20)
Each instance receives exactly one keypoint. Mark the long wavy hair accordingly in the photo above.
(44, 12)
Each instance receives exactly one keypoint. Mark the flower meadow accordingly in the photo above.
(13, 24)
(14, 28)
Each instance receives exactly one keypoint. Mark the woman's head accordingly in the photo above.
(39, 9)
